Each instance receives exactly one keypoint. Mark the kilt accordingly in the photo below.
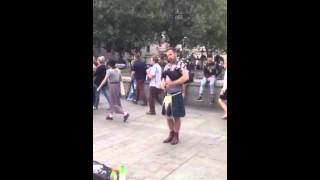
(174, 105)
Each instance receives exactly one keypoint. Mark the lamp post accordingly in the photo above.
(176, 14)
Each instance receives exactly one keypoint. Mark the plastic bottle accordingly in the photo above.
(113, 175)
(122, 172)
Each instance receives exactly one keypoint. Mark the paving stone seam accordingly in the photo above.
(184, 162)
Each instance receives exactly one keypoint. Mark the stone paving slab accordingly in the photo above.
(138, 144)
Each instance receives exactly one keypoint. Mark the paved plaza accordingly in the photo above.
(201, 153)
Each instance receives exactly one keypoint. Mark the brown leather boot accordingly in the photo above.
(175, 139)
(169, 139)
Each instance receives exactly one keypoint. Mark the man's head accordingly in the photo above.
(161, 60)
(101, 60)
(154, 60)
(112, 64)
(171, 54)
(138, 56)
(210, 59)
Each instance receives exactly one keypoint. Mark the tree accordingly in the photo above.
(216, 33)
(125, 24)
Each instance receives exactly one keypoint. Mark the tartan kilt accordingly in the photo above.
(176, 108)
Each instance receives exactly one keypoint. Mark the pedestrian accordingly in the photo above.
(113, 77)
(139, 74)
(223, 93)
(174, 75)
(154, 75)
(99, 74)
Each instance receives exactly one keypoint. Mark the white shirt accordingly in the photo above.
(225, 81)
(156, 70)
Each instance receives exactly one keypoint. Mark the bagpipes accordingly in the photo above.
(173, 75)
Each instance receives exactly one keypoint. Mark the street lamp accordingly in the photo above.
(184, 44)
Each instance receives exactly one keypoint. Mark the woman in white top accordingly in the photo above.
(223, 93)
(154, 75)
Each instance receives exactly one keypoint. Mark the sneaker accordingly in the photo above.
(199, 99)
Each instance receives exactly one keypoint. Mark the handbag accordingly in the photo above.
(122, 91)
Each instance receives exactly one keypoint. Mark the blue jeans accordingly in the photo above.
(104, 90)
(204, 81)
(132, 92)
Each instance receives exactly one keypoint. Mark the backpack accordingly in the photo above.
(101, 171)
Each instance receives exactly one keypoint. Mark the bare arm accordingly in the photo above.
(163, 84)
(94, 68)
(150, 75)
(102, 83)
(132, 74)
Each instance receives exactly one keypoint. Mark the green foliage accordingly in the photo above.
(125, 24)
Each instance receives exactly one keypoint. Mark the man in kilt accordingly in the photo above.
(175, 73)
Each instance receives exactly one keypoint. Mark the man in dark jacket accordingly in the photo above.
(209, 72)
(139, 74)
(99, 74)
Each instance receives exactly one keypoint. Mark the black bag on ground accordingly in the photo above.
(101, 171)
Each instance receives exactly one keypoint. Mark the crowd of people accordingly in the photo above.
(169, 79)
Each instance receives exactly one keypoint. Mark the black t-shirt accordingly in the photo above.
(100, 74)
(140, 68)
